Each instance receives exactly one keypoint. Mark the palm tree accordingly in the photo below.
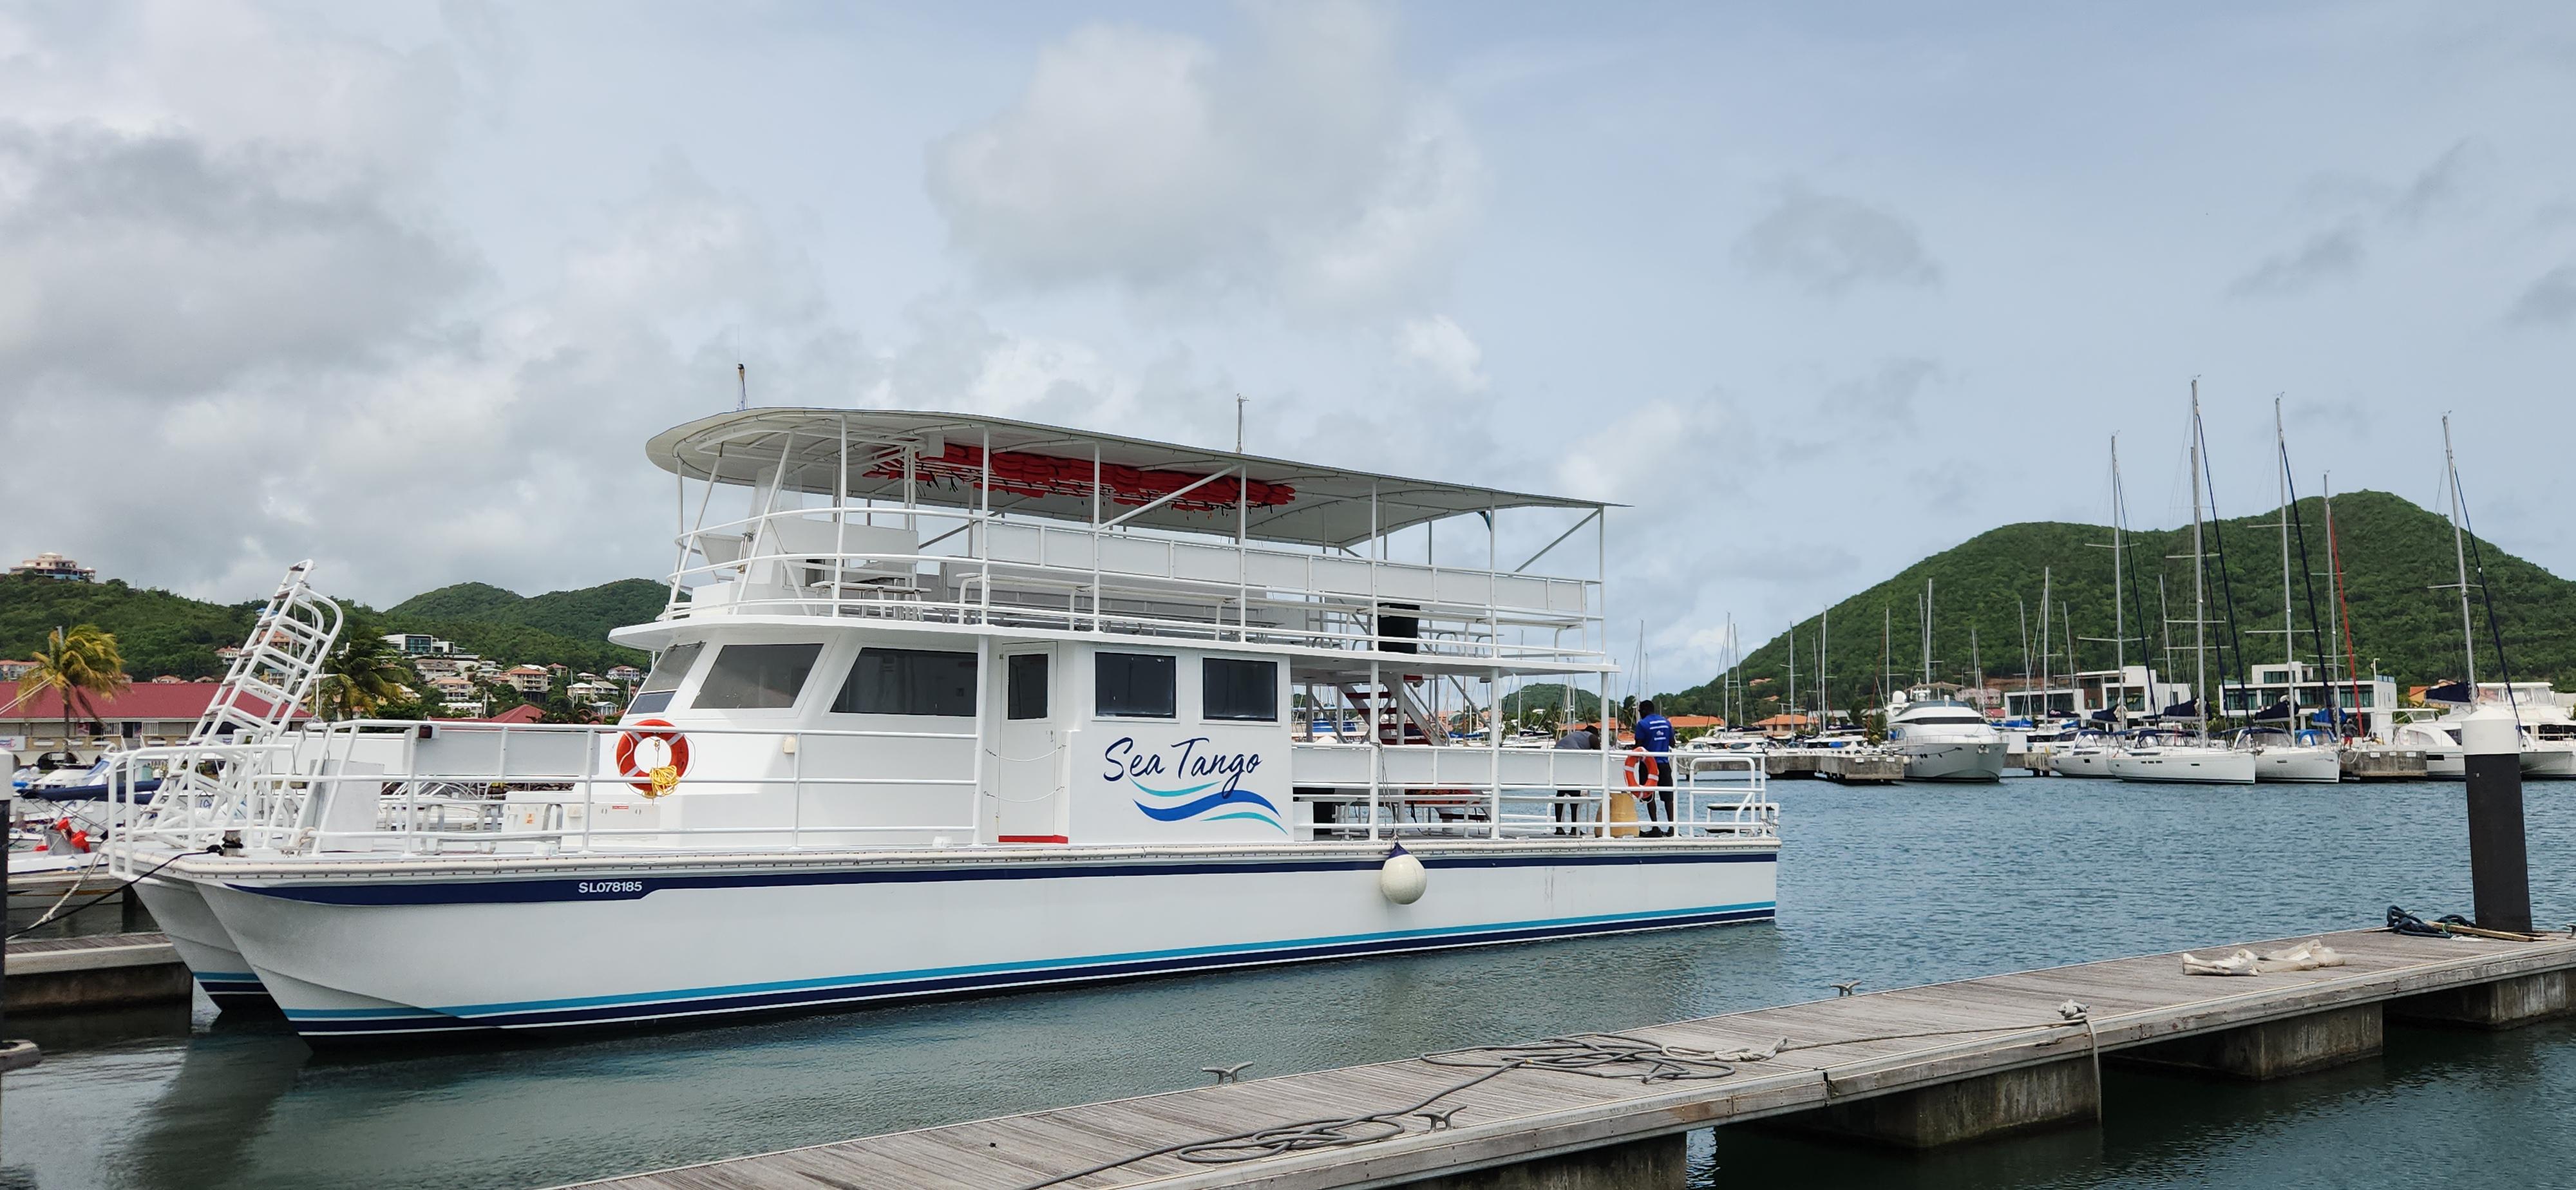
(364, 673)
(78, 665)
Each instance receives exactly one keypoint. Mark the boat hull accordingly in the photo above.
(350, 956)
(1954, 762)
(2082, 762)
(2298, 765)
(2192, 766)
(2550, 761)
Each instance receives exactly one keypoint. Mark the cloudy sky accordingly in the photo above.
(1818, 290)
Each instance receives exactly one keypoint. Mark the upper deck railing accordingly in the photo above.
(977, 568)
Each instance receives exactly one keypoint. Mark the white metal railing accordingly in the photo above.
(1079, 579)
(1379, 791)
(417, 788)
(424, 789)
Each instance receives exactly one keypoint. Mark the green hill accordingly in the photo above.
(164, 633)
(567, 627)
(2394, 553)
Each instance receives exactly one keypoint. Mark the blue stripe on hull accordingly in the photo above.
(753, 998)
(628, 888)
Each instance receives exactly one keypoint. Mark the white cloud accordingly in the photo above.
(1304, 169)
(1442, 346)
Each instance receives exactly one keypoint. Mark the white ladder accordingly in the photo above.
(281, 663)
(1398, 696)
(212, 792)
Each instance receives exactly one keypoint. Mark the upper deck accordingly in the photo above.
(942, 520)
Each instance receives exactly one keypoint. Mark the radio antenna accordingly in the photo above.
(742, 384)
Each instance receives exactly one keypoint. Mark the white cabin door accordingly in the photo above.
(1023, 782)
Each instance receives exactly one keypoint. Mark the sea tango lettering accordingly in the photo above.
(1188, 763)
(1189, 781)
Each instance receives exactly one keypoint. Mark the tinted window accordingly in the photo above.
(1028, 699)
(909, 682)
(668, 671)
(755, 677)
(1235, 689)
(1135, 684)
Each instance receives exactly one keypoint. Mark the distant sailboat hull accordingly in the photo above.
(2298, 764)
(2194, 766)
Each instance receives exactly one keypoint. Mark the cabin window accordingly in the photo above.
(668, 672)
(1137, 685)
(756, 677)
(1028, 681)
(1232, 688)
(909, 682)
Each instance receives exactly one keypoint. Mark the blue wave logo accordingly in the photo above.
(1224, 773)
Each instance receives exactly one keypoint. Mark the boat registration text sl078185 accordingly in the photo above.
(610, 886)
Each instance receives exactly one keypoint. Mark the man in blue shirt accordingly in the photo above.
(1655, 735)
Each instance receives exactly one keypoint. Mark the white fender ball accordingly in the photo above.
(1402, 879)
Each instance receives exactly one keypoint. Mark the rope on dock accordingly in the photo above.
(1593, 1055)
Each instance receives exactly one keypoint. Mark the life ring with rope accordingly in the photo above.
(657, 758)
(1642, 769)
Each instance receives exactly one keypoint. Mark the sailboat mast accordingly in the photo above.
(2119, 609)
(1927, 633)
(1824, 704)
(2289, 641)
(2043, 648)
(2334, 612)
(2459, 554)
(2199, 585)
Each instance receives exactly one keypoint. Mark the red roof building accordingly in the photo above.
(147, 713)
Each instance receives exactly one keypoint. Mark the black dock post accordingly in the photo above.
(2499, 869)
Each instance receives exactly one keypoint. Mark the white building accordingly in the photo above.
(2372, 700)
(2136, 689)
(419, 644)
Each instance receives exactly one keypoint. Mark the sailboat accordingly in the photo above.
(2548, 736)
(2089, 753)
(2289, 753)
(2194, 759)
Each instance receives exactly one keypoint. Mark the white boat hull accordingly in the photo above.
(2196, 766)
(2551, 761)
(528, 944)
(2082, 762)
(2299, 765)
(1931, 761)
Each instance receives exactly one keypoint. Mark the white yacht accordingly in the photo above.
(942, 703)
(1945, 740)
(2088, 754)
(2303, 757)
(2173, 757)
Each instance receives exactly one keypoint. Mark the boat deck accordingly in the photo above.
(1838, 1050)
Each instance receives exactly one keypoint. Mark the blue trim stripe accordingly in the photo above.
(937, 981)
(629, 888)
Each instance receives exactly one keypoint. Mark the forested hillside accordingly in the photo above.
(2394, 553)
(163, 633)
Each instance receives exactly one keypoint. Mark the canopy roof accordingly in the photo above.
(1047, 470)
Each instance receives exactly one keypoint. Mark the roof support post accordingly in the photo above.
(840, 540)
(1494, 749)
(981, 541)
(1376, 737)
(1242, 540)
(1095, 537)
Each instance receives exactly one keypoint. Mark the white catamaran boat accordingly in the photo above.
(957, 703)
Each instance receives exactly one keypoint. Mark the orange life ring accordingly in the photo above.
(1642, 770)
(658, 779)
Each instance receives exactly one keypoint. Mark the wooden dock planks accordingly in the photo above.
(1845, 1047)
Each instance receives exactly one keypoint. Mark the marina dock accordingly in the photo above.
(94, 971)
(1915, 1067)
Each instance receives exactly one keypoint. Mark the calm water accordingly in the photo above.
(1894, 886)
